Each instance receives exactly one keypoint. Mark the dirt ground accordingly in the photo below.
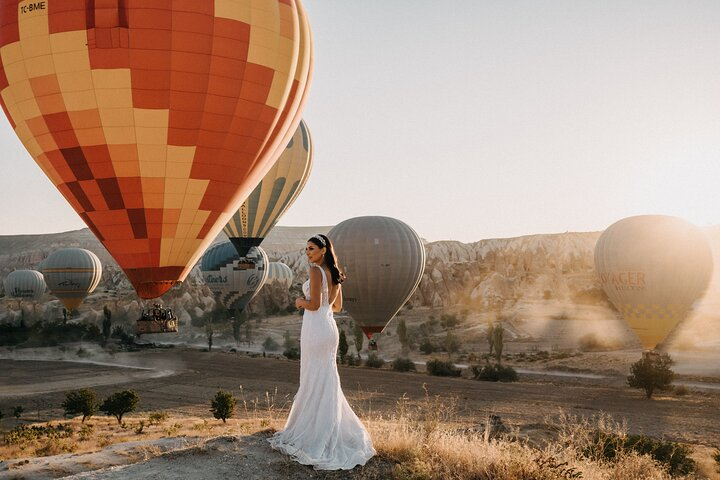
(184, 380)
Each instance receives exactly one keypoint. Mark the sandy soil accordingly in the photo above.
(183, 381)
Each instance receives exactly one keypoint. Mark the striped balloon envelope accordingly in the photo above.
(234, 280)
(24, 285)
(280, 273)
(71, 275)
(384, 260)
(274, 195)
(653, 269)
(155, 119)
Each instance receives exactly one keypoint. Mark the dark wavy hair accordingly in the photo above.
(330, 258)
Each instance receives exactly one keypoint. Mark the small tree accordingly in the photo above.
(209, 334)
(120, 403)
(17, 411)
(107, 324)
(79, 402)
(359, 338)
(2, 415)
(452, 344)
(342, 346)
(402, 333)
(223, 405)
(498, 341)
(248, 333)
(490, 337)
(651, 372)
(238, 320)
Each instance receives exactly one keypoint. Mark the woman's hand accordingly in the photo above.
(298, 302)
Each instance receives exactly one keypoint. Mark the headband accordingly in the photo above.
(319, 239)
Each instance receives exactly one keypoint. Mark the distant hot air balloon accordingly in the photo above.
(154, 119)
(24, 285)
(653, 268)
(71, 275)
(233, 279)
(274, 195)
(384, 260)
(278, 272)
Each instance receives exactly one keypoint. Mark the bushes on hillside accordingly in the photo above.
(442, 368)
(403, 365)
(608, 446)
(374, 361)
(494, 372)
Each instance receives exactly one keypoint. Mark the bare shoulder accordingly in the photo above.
(315, 272)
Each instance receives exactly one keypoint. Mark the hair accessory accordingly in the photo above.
(319, 239)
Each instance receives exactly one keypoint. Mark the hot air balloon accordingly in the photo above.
(71, 275)
(154, 119)
(233, 279)
(384, 260)
(653, 268)
(274, 195)
(24, 285)
(280, 273)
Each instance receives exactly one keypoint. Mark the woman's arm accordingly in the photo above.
(337, 304)
(315, 285)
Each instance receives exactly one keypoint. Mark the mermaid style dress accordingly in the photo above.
(322, 430)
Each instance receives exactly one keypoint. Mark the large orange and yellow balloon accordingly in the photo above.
(154, 119)
(653, 268)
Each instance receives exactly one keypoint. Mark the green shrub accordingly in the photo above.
(120, 403)
(680, 390)
(441, 368)
(651, 372)
(374, 361)
(85, 432)
(157, 418)
(223, 405)
(354, 361)
(403, 365)
(17, 411)
(270, 345)
(494, 372)
(23, 434)
(81, 402)
(292, 353)
(426, 346)
(674, 456)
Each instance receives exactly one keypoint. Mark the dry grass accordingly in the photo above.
(422, 440)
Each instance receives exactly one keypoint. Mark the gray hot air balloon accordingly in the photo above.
(71, 275)
(24, 285)
(384, 260)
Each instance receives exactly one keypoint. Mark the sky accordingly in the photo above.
(472, 119)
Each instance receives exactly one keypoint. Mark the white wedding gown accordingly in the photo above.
(322, 430)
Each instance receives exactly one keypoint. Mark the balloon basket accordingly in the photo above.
(157, 320)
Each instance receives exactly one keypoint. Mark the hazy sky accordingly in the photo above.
(472, 119)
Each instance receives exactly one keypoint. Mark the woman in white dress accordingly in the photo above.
(322, 430)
